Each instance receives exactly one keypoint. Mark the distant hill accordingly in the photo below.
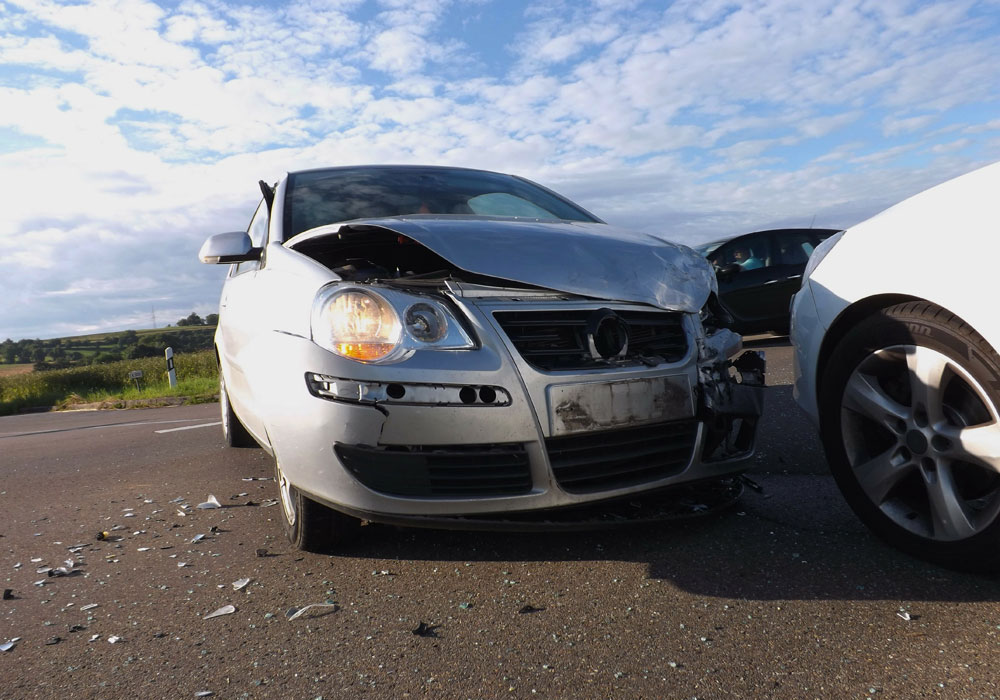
(98, 348)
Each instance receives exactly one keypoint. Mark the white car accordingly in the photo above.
(896, 331)
(451, 347)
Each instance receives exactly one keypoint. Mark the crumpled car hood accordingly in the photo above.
(588, 259)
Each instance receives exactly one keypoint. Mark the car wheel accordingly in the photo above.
(910, 424)
(309, 525)
(235, 434)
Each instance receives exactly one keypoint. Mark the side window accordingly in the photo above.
(258, 233)
(795, 248)
(749, 252)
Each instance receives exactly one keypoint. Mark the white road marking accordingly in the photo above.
(189, 427)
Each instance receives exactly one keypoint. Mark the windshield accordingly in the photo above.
(709, 248)
(318, 197)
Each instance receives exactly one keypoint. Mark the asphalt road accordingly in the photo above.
(784, 595)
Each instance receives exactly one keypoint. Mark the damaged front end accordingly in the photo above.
(731, 391)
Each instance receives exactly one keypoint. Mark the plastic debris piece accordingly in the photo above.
(88, 606)
(37, 560)
(40, 583)
(224, 610)
(143, 549)
(268, 503)
(9, 644)
(181, 564)
(114, 640)
(94, 638)
(425, 630)
(294, 613)
(77, 628)
(465, 606)
(212, 502)
(51, 641)
(204, 694)
(43, 569)
(197, 538)
(905, 615)
(8, 594)
(261, 552)
(257, 478)
(529, 608)
(65, 570)
(179, 499)
(182, 513)
(240, 584)
(17, 565)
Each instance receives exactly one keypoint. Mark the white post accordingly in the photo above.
(171, 374)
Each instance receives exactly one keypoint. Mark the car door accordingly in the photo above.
(238, 324)
(791, 249)
(746, 291)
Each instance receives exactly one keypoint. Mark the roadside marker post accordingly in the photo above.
(136, 375)
(171, 374)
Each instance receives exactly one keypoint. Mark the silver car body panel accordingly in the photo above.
(588, 259)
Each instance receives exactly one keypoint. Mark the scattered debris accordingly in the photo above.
(115, 640)
(94, 638)
(294, 613)
(51, 641)
(89, 606)
(204, 694)
(425, 630)
(268, 503)
(214, 529)
(224, 610)
(212, 502)
(240, 584)
(9, 644)
(65, 570)
(383, 572)
(258, 478)
(751, 483)
(262, 553)
(197, 538)
(529, 608)
(465, 606)
(143, 549)
(8, 594)
(77, 628)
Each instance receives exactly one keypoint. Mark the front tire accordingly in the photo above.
(233, 431)
(910, 424)
(311, 526)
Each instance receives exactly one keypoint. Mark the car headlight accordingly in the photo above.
(383, 325)
(821, 250)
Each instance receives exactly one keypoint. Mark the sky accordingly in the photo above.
(131, 130)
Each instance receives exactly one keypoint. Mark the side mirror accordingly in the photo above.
(727, 271)
(225, 248)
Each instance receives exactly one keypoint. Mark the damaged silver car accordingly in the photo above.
(458, 348)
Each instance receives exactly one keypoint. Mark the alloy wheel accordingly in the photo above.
(922, 439)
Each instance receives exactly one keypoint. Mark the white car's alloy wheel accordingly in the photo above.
(923, 440)
(285, 495)
(910, 421)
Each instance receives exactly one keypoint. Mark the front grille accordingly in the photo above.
(611, 459)
(557, 340)
(457, 471)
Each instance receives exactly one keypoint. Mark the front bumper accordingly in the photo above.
(481, 433)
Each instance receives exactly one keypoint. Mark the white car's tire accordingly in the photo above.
(311, 526)
(910, 421)
(233, 431)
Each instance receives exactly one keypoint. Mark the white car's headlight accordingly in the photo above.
(821, 250)
(383, 325)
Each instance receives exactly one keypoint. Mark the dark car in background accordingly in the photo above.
(759, 272)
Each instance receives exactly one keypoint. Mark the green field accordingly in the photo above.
(197, 377)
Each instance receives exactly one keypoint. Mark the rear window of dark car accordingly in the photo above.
(318, 197)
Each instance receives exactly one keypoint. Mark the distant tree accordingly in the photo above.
(38, 354)
(76, 356)
(212, 320)
(141, 350)
(58, 353)
(103, 357)
(127, 339)
(10, 354)
(192, 320)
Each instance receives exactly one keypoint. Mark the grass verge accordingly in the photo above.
(197, 377)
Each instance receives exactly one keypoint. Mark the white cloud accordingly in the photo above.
(134, 127)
